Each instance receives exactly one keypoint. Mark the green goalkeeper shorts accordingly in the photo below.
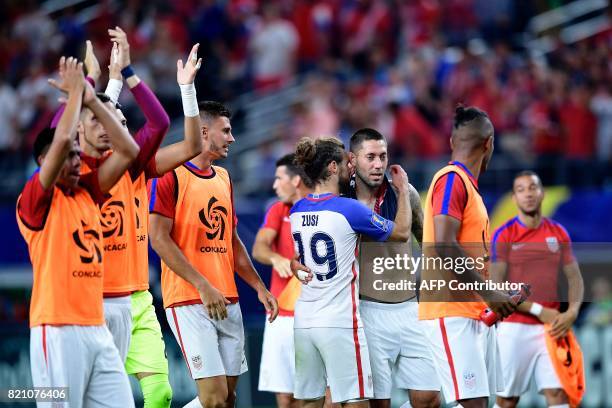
(147, 352)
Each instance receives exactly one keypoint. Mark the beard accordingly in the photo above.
(368, 182)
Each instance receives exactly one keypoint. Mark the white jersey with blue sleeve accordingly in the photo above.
(326, 230)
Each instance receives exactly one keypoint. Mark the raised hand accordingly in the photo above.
(119, 37)
(399, 178)
(91, 62)
(185, 74)
(71, 76)
(114, 69)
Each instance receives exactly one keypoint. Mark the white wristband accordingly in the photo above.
(113, 89)
(536, 309)
(190, 101)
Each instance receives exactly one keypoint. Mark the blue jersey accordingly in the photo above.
(326, 230)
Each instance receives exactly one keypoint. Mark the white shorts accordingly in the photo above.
(82, 358)
(397, 348)
(118, 316)
(210, 347)
(523, 352)
(465, 356)
(277, 368)
(334, 356)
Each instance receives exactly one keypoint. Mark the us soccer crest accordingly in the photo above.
(197, 362)
(469, 379)
(552, 244)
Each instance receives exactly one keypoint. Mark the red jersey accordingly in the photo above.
(534, 256)
(277, 219)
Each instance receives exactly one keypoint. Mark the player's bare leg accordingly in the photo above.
(232, 382)
(423, 399)
(418, 399)
(286, 400)
(318, 403)
(328, 401)
(213, 391)
(356, 404)
(555, 396)
(509, 402)
(474, 402)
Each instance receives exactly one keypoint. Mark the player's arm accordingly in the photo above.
(498, 272)
(446, 229)
(245, 269)
(263, 253)
(172, 156)
(162, 242)
(91, 63)
(403, 218)
(417, 213)
(72, 82)
(150, 135)
(563, 322)
(125, 149)
(115, 80)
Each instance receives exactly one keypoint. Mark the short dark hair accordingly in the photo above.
(362, 135)
(104, 98)
(293, 169)
(464, 115)
(527, 173)
(42, 143)
(288, 161)
(212, 110)
(314, 156)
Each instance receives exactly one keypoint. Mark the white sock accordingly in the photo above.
(193, 404)
(496, 406)
(406, 405)
(559, 406)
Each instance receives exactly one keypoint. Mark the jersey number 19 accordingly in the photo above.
(327, 258)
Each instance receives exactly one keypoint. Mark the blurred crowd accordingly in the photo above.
(400, 66)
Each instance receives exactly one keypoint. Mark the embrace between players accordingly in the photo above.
(85, 217)
(359, 348)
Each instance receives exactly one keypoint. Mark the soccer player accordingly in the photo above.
(456, 227)
(274, 246)
(395, 337)
(58, 217)
(330, 345)
(129, 311)
(193, 229)
(532, 249)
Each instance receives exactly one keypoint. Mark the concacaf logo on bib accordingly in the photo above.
(552, 243)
